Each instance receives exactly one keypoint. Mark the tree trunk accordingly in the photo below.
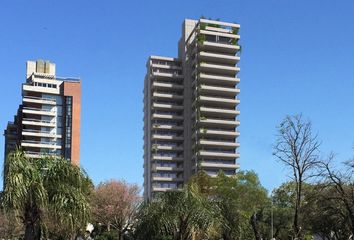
(297, 209)
(32, 228)
(31, 232)
(254, 224)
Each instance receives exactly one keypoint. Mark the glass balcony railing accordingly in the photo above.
(39, 109)
(38, 120)
(38, 131)
(40, 98)
(41, 142)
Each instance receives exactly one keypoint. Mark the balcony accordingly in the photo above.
(30, 88)
(167, 106)
(165, 61)
(31, 99)
(219, 47)
(218, 69)
(219, 122)
(217, 79)
(167, 137)
(162, 75)
(39, 133)
(167, 179)
(220, 23)
(38, 122)
(169, 148)
(164, 65)
(218, 143)
(165, 189)
(166, 127)
(218, 58)
(220, 91)
(219, 133)
(39, 111)
(219, 112)
(218, 32)
(167, 158)
(168, 169)
(32, 154)
(39, 144)
(159, 85)
(218, 101)
(157, 95)
(167, 116)
(219, 166)
(218, 154)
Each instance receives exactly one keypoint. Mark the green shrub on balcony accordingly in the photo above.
(201, 38)
(235, 30)
(235, 41)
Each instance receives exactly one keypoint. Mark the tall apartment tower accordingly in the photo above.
(190, 107)
(48, 120)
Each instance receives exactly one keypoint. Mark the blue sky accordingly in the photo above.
(297, 57)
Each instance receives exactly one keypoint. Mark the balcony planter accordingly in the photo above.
(235, 30)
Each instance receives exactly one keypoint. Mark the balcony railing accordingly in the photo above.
(37, 120)
(36, 131)
(43, 153)
(40, 98)
(166, 63)
(41, 142)
(39, 109)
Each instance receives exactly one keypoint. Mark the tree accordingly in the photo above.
(10, 228)
(178, 215)
(338, 193)
(46, 188)
(325, 216)
(241, 200)
(283, 199)
(115, 204)
(297, 148)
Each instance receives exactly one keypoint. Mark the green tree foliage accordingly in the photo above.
(283, 199)
(239, 198)
(10, 227)
(208, 208)
(46, 189)
(330, 203)
(178, 215)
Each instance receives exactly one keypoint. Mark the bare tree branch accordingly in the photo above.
(297, 148)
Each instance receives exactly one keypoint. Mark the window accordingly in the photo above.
(68, 127)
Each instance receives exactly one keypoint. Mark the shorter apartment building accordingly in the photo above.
(48, 119)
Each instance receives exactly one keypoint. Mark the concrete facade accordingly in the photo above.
(48, 120)
(190, 107)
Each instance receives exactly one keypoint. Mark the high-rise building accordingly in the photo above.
(190, 107)
(48, 120)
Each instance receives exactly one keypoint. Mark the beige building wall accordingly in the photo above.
(208, 56)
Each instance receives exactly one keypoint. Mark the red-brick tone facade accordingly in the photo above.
(74, 89)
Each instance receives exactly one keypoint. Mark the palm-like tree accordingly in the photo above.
(178, 215)
(46, 188)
